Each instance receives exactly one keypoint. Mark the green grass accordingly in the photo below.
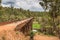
(36, 26)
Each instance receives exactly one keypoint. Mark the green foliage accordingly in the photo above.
(36, 26)
(54, 12)
(32, 34)
(7, 14)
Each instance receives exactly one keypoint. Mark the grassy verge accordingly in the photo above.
(36, 25)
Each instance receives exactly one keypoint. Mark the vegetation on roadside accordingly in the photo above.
(36, 26)
(48, 21)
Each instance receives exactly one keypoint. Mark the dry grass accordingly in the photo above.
(12, 35)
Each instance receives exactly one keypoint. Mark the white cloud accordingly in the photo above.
(22, 4)
(32, 5)
(5, 5)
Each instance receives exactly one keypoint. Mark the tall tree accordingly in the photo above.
(0, 2)
(54, 9)
(11, 10)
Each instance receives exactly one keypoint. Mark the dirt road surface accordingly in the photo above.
(45, 37)
(12, 26)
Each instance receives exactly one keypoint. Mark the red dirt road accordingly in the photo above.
(12, 26)
(45, 37)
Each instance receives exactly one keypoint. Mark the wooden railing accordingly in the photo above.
(25, 26)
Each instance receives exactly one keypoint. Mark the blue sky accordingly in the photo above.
(32, 5)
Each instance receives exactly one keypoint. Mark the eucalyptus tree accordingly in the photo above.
(11, 4)
(28, 13)
(54, 8)
(11, 12)
(54, 11)
(0, 2)
(0, 8)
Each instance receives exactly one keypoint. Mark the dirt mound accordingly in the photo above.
(12, 35)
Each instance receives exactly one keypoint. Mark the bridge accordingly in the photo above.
(25, 26)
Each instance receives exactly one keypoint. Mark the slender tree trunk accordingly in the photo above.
(54, 26)
(0, 2)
